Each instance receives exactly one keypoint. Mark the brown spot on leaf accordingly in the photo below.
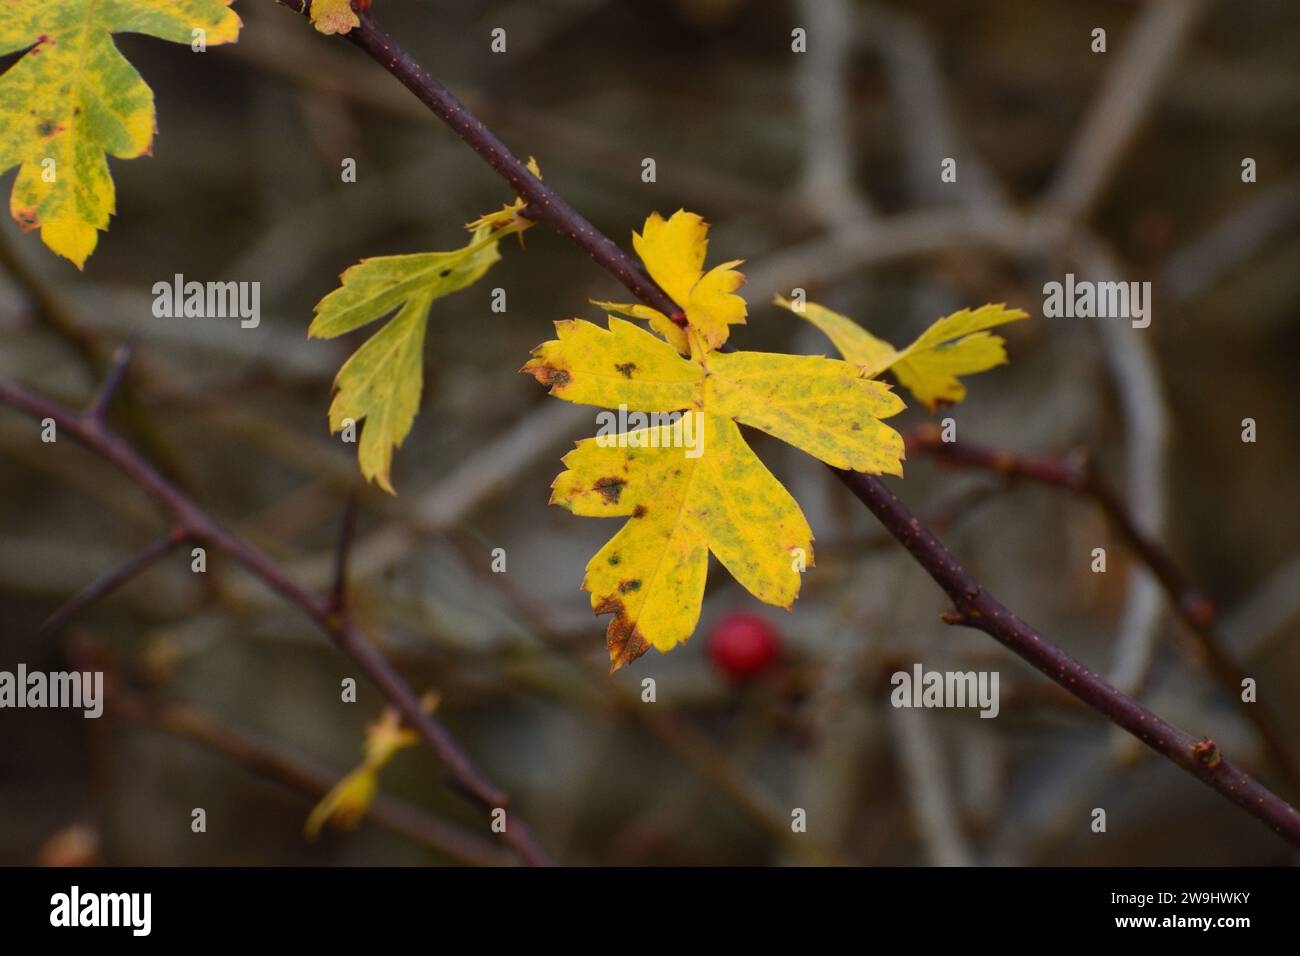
(550, 375)
(611, 489)
(624, 641)
(633, 585)
(27, 218)
(47, 128)
(638, 511)
(614, 559)
(626, 369)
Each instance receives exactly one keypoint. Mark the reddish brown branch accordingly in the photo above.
(1080, 476)
(198, 525)
(972, 602)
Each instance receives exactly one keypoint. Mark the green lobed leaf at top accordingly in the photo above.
(71, 100)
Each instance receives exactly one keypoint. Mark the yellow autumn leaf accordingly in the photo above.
(694, 486)
(650, 575)
(824, 406)
(71, 100)
(381, 382)
(673, 251)
(666, 327)
(333, 16)
(347, 802)
(623, 364)
(955, 345)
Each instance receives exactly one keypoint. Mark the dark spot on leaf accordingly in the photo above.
(47, 128)
(856, 426)
(444, 273)
(626, 369)
(614, 559)
(638, 511)
(632, 585)
(611, 489)
(27, 218)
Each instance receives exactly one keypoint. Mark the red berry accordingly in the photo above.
(743, 645)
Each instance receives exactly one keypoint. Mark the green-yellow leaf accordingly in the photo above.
(381, 384)
(956, 345)
(71, 100)
(382, 381)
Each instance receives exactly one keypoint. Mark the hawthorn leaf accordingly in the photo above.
(855, 343)
(71, 100)
(348, 800)
(382, 381)
(650, 576)
(711, 494)
(955, 345)
(380, 384)
(673, 251)
(346, 803)
(822, 405)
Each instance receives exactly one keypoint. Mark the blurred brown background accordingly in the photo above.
(822, 171)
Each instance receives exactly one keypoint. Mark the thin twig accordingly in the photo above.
(110, 582)
(822, 80)
(1130, 86)
(198, 525)
(925, 770)
(271, 763)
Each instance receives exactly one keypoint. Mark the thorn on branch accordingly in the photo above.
(338, 596)
(110, 582)
(112, 381)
